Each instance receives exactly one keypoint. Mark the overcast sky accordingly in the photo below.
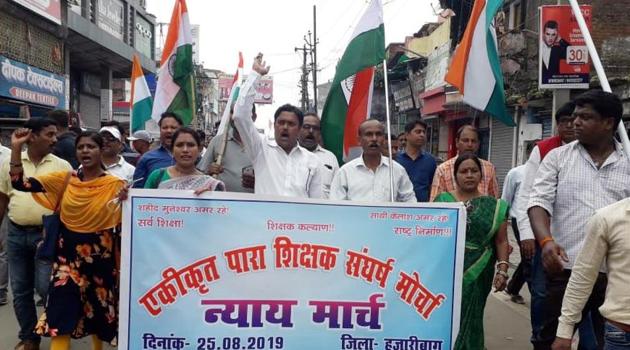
(276, 27)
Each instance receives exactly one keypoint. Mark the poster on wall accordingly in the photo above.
(50, 9)
(563, 56)
(264, 89)
(233, 271)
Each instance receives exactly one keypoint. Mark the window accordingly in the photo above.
(516, 14)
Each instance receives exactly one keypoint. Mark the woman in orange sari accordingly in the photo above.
(83, 295)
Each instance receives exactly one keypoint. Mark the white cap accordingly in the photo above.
(112, 130)
(141, 135)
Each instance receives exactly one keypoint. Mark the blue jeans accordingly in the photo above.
(615, 338)
(27, 274)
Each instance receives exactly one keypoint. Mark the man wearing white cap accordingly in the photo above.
(113, 162)
(141, 141)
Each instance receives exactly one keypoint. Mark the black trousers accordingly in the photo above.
(523, 270)
(556, 286)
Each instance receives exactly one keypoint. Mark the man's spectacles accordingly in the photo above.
(311, 127)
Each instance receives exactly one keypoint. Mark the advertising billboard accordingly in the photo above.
(563, 56)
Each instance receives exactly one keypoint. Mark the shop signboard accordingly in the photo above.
(50, 9)
(26, 83)
(111, 17)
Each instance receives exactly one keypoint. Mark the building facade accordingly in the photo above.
(66, 55)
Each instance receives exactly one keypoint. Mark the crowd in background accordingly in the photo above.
(567, 207)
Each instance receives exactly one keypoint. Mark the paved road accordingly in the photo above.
(9, 330)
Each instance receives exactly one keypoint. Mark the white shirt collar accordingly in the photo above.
(297, 147)
(545, 51)
(361, 162)
(121, 162)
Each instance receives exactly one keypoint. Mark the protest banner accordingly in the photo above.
(563, 57)
(233, 271)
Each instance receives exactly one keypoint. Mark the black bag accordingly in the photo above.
(46, 250)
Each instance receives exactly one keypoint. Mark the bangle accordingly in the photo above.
(545, 241)
(503, 262)
(503, 273)
(17, 165)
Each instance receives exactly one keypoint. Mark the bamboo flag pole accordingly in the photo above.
(592, 50)
(389, 132)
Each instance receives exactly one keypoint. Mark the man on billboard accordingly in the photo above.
(553, 49)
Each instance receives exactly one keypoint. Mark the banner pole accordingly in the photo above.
(389, 133)
(597, 63)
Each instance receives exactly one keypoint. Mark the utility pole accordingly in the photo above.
(314, 58)
(309, 49)
(304, 79)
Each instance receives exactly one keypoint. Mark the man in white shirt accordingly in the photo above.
(113, 162)
(511, 188)
(282, 166)
(309, 138)
(573, 182)
(367, 178)
(566, 134)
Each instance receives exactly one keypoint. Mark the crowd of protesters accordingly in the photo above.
(568, 207)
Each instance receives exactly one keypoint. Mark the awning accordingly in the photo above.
(433, 101)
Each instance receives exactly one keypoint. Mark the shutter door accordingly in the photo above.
(502, 149)
(90, 109)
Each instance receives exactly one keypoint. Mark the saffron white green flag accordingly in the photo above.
(236, 84)
(350, 97)
(175, 88)
(141, 102)
(475, 69)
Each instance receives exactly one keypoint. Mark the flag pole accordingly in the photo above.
(592, 50)
(389, 132)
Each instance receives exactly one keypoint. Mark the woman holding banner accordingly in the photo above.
(486, 241)
(83, 296)
(184, 175)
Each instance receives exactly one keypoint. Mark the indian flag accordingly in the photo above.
(475, 69)
(236, 84)
(141, 101)
(349, 100)
(175, 91)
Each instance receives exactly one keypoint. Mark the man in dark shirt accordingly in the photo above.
(160, 157)
(419, 164)
(64, 148)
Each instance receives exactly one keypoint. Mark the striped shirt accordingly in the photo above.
(444, 179)
(570, 187)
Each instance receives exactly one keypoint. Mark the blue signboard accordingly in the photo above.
(232, 272)
(22, 82)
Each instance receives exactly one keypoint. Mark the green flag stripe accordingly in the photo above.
(496, 105)
(366, 50)
(141, 113)
(182, 103)
(334, 121)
